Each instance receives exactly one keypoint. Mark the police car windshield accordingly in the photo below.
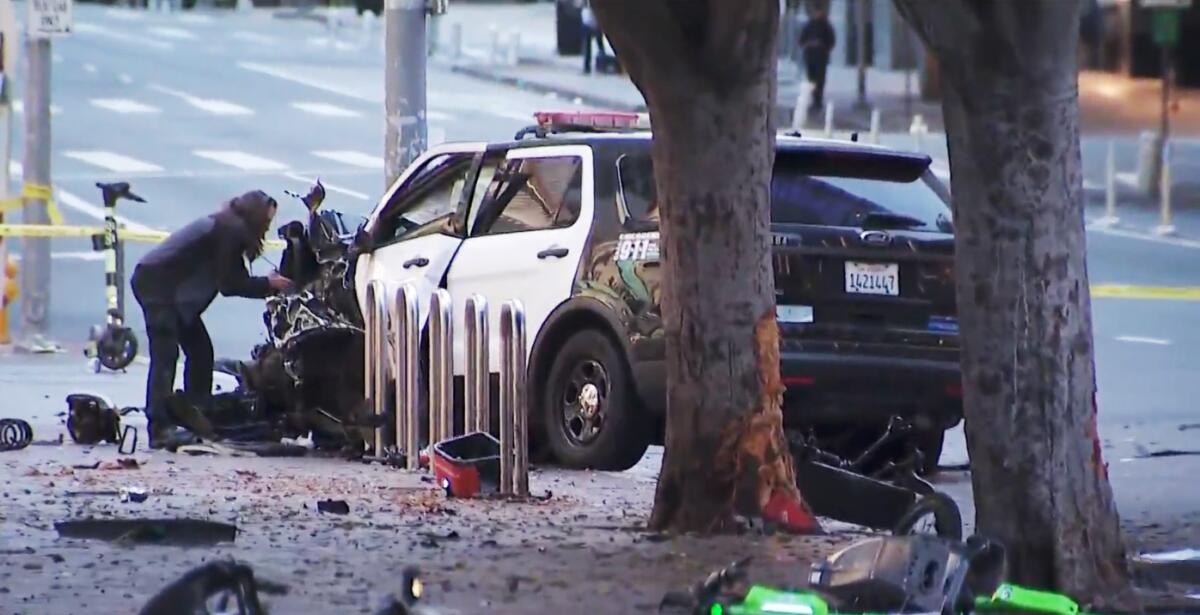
(821, 188)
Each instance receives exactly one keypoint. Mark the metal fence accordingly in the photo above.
(395, 318)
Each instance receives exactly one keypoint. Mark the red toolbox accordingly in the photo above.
(467, 465)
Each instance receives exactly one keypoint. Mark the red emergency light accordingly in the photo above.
(560, 121)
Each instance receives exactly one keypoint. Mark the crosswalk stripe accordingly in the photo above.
(88, 28)
(18, 106)
(241, 160)
(174, 33)
(357, 159)
(123, 105)
(326, 109)
(112, 161)
(211, 105)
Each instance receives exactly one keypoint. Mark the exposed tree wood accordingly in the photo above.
(1012, 121)
(707, 72)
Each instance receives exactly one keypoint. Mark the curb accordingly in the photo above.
(486, 74)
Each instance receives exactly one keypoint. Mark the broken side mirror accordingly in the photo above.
(362, 240)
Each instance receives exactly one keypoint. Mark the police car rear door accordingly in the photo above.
(526, 238)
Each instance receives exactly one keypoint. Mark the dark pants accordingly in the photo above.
(167, 332)
(816, 76)
(591, 35)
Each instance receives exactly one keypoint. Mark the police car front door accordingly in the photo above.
(526, 239)
(418, 230)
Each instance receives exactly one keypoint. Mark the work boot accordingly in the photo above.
(170, 437)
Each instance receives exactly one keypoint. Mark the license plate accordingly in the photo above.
(873, 278)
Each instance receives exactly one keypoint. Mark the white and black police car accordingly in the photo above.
(563, 218)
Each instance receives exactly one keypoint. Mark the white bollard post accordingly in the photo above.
(1164, 190)
(798, 114)
(875, 117)
(1110, 188)
(456, 39)
(375, 363)
(514, 47)
(477, 401)
(494, 33)
(514, 428)
(917, 130)
(441, 377)
(828, 120)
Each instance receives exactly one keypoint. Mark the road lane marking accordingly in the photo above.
(241, 160)
(175, 33)
(90, 68)
(1178, 242)
(123, 105)
(18, 106)
(1129, 291)
(1143, 340)
(113, 162)
(311, 82)
(330, 187)
(254, 37)
(124, 15)
(70, 256)
(88, 28)
(352, 158)
(318, 108)
(194, 18)
(210, 105)
(71, 201)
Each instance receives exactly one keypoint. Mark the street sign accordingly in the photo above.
(50, 17)
(1165, 27)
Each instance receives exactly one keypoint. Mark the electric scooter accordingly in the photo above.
(112, 345)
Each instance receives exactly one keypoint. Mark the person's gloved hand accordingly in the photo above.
(279, 283)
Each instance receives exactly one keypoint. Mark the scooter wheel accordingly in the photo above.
(947, 520)
(117, 348)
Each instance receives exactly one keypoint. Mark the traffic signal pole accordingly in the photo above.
(406, 132)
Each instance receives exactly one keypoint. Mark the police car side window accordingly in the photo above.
(532, 194)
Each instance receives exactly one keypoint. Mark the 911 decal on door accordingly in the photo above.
(637, 247)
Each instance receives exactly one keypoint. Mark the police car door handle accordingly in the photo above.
(555, 252)
(419, 261)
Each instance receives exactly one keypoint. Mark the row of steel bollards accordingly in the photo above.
(397, 357)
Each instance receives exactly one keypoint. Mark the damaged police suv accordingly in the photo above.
(564, 219)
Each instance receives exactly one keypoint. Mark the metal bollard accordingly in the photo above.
(1164, 193)
(406, 323)
(875, 125)
(441, 370)
(374, 361)
(918, 130)
(798, 114)
(1110, 188)
(828, 120)
(456, 38)
(514, 428)
(478, 415)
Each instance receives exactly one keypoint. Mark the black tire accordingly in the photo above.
(117, 348)
(947, 519)
(608, 430)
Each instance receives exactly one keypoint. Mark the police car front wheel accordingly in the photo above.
(591, 414)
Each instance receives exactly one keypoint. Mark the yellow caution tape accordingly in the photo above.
(126, 234)
(36, 192)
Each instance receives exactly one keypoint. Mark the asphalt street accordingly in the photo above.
(195, 108)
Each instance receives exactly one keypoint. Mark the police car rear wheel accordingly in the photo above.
(591, 416)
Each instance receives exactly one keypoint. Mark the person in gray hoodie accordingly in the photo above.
(176, 282)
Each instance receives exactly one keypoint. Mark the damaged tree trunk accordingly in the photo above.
(707, 72)
(1012, 122)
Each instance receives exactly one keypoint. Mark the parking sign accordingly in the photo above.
(49, 17)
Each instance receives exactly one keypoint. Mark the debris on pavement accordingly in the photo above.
(92, 419)
(336, 507)
(1181, 555)
(468, 465)
(136, 495)
(221, 581)
(15, 434)
(177, 532)
(123, 463)
(1144, 453)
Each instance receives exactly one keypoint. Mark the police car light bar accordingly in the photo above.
(598, 121)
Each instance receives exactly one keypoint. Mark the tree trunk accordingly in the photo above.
(1012, 121)
(707, 71)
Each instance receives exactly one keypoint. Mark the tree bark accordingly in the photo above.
(707, 72)
(1012, 122)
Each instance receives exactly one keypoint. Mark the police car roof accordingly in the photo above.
(783, 142)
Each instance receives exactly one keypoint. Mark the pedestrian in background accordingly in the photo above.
(591, 33)
(176, 282)
(817, 40)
